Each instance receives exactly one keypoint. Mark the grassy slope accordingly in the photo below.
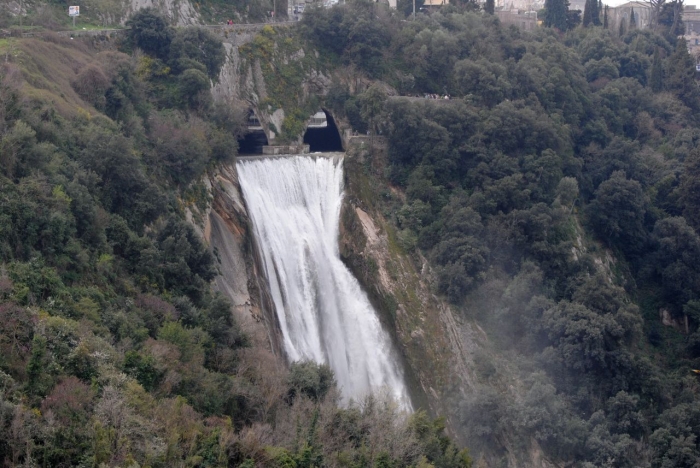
(49, 68)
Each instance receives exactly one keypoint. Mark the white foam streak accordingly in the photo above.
(323, 313)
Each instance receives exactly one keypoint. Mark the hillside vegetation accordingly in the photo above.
(555, 197)
(114, 351)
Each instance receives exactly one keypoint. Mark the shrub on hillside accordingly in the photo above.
(180, 146)
(91, 84)
(200, 45)
(310, 379)
(150, 32)
(194, 89)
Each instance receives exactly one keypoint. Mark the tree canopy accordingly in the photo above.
(553, 196)
(552, 201)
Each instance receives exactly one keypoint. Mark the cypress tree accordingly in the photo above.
(591, 13)
(657, 73)
(605, 17)
(573, 19)
(597, 12)
(622, 27)
(555, 14)
(670, 20)
(587, 13)
(633, 20)
(490, 6)
(680, 76)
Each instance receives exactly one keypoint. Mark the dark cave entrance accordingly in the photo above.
(252, 142)
(323, 137)
(255, 139)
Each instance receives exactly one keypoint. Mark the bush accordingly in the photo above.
(180, 146)
(143, 369)
(91, 85)
(150, 32)
(310, 379)
(193, 86)
(617, 212)
(16, 332)
(199, 45)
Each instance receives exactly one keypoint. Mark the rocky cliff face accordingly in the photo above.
(240, 83)
(179, 12)
(269, 72)
(437, 349)
(225, 226)
(114, 12)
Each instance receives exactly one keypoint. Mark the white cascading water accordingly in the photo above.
(294, 203)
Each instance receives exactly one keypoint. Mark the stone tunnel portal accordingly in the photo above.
(323, 136)
(255, 138)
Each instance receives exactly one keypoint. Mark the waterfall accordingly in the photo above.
(324, 315)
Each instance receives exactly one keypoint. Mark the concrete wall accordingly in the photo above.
(285, 149)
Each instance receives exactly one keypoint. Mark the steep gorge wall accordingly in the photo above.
(436, 349)
(271, 72)
(226, 227)
(441, 347)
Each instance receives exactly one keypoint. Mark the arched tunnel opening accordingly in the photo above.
(321, 136)
(253, 141)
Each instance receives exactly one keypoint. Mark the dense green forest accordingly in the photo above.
(555, 196)
(114, 351)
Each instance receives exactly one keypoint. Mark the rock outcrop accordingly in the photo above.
(437, 349)
(226, 228)
(179, 12)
